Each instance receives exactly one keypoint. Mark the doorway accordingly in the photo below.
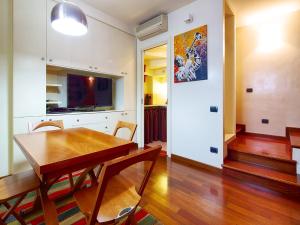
(155, 97)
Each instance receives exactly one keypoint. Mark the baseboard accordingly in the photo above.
(190, 162)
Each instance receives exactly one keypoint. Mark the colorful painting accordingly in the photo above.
(190, 55)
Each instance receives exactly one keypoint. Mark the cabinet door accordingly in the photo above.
(122, 52)
(29, 54)
(21, 126)
(127, 57)
(103, 39)
(126, 65)
(58, 45)
(81, 47)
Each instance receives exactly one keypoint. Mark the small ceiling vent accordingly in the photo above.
(152, 27)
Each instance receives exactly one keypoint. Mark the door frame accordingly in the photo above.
(140, 90)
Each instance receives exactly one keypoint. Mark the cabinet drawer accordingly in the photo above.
(89, 118)
(102, 127)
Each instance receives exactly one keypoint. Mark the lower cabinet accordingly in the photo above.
(21, 126)
(102, 121)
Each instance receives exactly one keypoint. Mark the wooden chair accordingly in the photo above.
(121, 124)
(59, 124)
(114, 197)
(16, 186)
(130, 126)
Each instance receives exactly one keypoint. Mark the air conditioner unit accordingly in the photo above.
(152, 27)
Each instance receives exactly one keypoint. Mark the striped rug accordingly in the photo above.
(68, 212)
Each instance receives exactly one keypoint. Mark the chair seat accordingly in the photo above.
(18, 184)
(120, 195)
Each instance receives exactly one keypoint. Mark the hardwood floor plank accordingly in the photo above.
(184, 195)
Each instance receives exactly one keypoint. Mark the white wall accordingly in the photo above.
(5, 72)
(193, 127)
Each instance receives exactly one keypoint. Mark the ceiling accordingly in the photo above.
(248, 12)
(134, 12)
(159, 52)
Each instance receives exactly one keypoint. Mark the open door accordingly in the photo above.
(155, 97)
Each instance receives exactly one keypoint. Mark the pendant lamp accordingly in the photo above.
(69, 19)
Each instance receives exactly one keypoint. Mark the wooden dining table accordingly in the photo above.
(55, 153)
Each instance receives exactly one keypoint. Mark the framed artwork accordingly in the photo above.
(190, 55)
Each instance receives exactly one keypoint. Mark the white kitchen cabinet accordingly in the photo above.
(94, 121)
(29, 58)
(102, 127)
(81, 47)
(120, 52)
(21, 126)
(104, 49)
(124, 51)
(59, 46)
(101, 53)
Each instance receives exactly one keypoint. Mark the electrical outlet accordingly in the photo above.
(249, 90)
(214, 109)
(265, 121)
(214, 150)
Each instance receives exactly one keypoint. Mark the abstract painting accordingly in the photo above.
(190, 55)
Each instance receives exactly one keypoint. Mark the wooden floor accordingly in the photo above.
(180, 194)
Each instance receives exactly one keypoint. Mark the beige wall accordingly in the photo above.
(230, 77)
(268, 60)
(156, 81)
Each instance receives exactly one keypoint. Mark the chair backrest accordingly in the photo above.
(115, 166)
(130, 126)
(57, 124)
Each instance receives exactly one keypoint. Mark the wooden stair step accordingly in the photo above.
(256, 146)
(265, 173)
(278, 164)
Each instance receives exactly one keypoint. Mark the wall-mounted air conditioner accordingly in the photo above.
(152, 27)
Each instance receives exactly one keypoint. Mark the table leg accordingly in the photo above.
(50, 214)
(88, 171)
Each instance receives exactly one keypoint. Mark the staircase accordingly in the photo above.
(263, 160)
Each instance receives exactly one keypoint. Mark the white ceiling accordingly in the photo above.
(248, 12)
(133, 12)
(159, 52)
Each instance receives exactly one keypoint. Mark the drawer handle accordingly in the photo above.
(42, 120)
(106, 117)
(77, 120)
(50, 119)
(50, 60)
(106, 127)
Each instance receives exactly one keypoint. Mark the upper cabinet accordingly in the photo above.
(58, 44)
(104, 49)
(29, 58)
